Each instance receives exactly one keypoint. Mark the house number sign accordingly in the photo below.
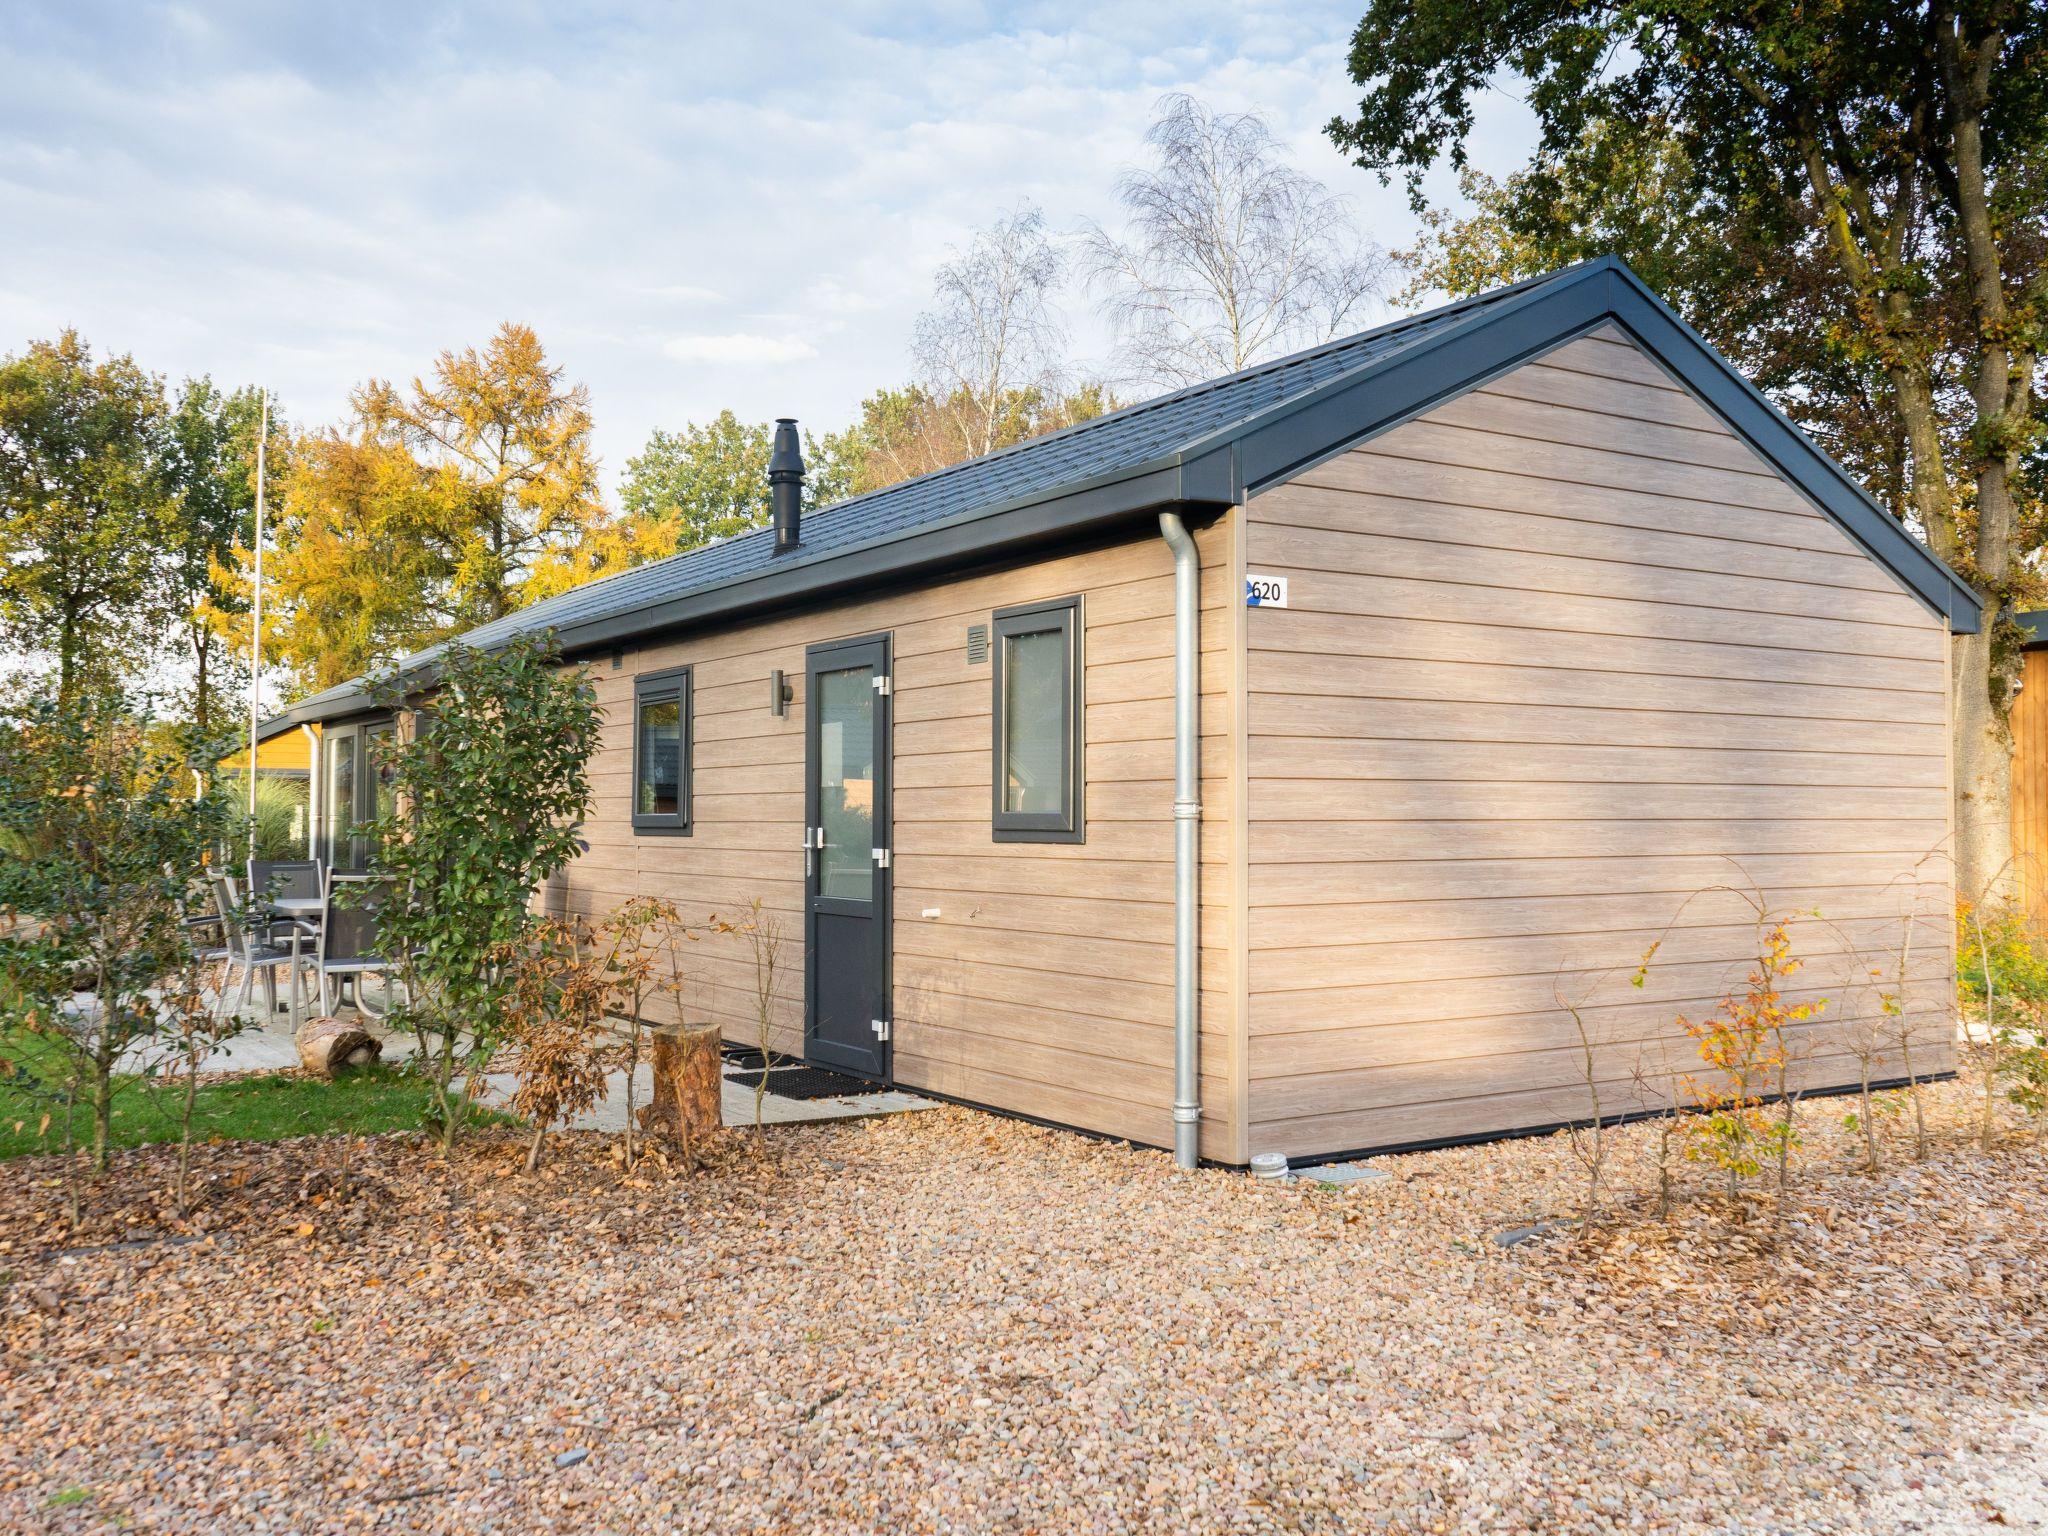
(1265, 591)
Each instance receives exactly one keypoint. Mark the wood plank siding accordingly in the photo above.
(1561, 655)
(1044, 984)
(2030, 784)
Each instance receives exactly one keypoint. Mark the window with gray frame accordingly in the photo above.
(661, 751)
(1038, 700)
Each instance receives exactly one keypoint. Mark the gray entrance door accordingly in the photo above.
(846, 857)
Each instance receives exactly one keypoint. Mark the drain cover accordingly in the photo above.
(1342, 1173)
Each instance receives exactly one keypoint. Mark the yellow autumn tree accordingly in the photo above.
(440, 506)
(363, 565)
(505, 444)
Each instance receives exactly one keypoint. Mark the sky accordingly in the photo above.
(695, 205)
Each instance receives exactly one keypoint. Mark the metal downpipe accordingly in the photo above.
(1187, 825)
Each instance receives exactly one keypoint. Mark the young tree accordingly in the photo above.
(211, 471)
(506, 445)
(104, 837)
(994, 333)
(1900, 144)
(490, 792)
(84, 507)
(1230, 255)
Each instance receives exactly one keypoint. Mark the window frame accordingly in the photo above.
(658, 687)
(1070, 823)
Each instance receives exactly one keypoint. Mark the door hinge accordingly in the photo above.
(881, 1028)
(881, 858)
(883, 686)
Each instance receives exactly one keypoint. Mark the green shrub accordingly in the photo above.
(490, 790)
(2002, 986)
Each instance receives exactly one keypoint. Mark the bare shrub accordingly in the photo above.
(561, 980)
(763, 930)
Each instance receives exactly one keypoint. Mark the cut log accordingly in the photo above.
(326, 1045)
(687, 1082)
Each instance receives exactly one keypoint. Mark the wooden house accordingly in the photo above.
(1275, 766)
(2030, 767)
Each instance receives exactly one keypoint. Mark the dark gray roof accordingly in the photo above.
(1188, 447)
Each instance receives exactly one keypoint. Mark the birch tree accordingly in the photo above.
(1229, 255)
(994, 334)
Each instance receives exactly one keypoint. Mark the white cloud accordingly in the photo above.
(693, 209)
(739, 348)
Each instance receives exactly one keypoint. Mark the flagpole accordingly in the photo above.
(256, 624)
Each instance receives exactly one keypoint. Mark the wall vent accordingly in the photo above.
(977, 644)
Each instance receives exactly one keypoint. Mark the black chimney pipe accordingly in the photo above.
(786, 486)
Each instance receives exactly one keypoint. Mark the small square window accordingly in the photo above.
(661, 751)
(1038, 711)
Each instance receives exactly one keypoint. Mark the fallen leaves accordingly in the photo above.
(947, 1320)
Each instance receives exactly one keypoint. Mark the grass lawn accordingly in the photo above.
(267, 1107)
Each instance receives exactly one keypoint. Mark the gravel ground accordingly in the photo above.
(948, 1322)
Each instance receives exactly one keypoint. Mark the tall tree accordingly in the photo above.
(366, 561)
(994, 333)
(1907, 140)
(1230, 255)
(211, 468)
(83, 509)
(710, 481)
(1771, 299)
(506, 441)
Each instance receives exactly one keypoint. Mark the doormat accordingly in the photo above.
(803, 1083)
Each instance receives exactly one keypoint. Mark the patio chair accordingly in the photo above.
(251, 950)
(285, 879)
(348, 945)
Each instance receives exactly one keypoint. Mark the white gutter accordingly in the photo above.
(1187, 826)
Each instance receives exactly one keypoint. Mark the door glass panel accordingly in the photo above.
(1035, 721)
(846, 783)
(340, 809)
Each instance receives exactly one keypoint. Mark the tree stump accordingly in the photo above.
(687, 1083)
(327, 1045)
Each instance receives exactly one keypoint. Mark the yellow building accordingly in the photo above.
(283, 747)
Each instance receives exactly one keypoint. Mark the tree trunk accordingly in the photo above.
(1983, 771)
(687, 1086)
(328, 1045)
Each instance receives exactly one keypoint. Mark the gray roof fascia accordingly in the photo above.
(1494, 334)
(984, 534)
(1798, 457)
(1380, 395)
